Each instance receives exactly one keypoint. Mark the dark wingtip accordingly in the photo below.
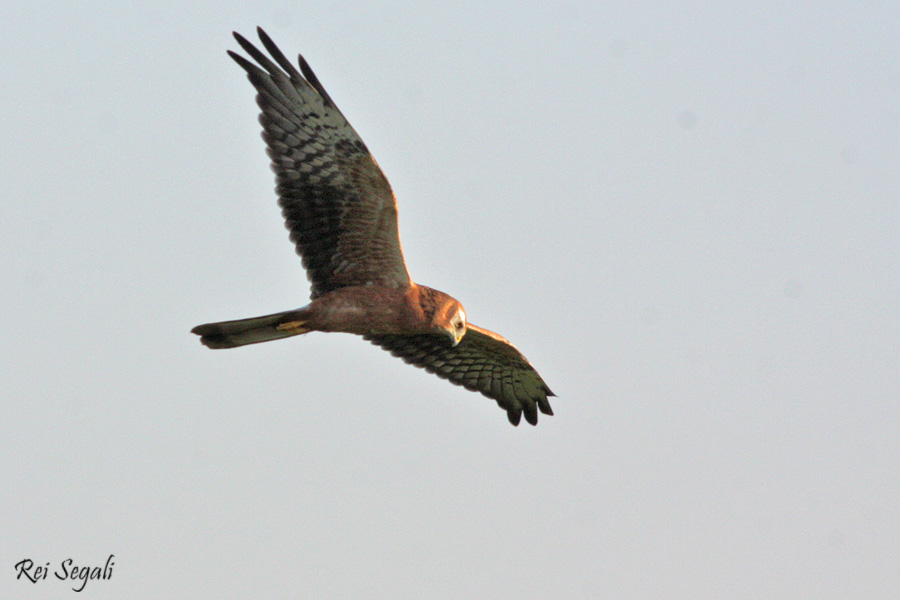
(240, 39)
(277, 54)
(514, 416)
(544, 405)
(263, 36)
(531, 412)
(237, 58)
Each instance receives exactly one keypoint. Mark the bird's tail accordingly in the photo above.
(230, 334)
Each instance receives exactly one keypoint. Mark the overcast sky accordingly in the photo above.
(687, 216)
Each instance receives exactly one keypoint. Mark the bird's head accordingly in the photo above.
(444, 314)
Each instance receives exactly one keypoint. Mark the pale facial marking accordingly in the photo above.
(459, 324)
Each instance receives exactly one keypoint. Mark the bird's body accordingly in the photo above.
(361, 310)
(342, 216)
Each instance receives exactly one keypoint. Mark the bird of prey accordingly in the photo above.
(342, 217)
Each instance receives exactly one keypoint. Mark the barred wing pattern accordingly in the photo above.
(482, 362)
(337, 204)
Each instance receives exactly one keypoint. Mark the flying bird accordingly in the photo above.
(342, 218)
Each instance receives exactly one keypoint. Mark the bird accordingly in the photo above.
(342, 217)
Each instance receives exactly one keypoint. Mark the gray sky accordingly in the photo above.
(685, 215)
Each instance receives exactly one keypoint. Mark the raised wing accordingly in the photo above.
(482, 362)
(337, 204)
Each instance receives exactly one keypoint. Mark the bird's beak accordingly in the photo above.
(454, 339)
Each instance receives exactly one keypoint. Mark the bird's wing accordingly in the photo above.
(337, 204)
(482, 362)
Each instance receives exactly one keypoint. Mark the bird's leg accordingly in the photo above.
(293, 327)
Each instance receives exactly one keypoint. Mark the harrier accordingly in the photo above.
(342, 217)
